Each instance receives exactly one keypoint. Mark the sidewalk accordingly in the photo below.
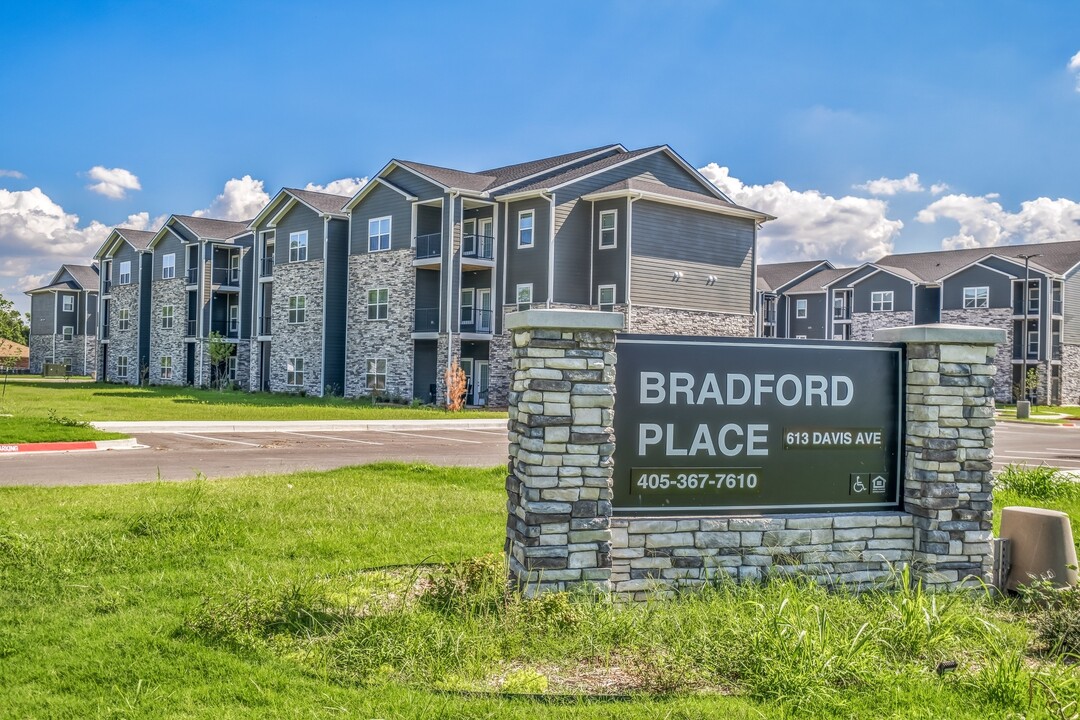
(271, 426)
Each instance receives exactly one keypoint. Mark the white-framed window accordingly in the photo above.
(376, 375)
(122, 366)
(1033, 343)
(297, 309)
(378, 304)
(123, 319)
(234, 318)
(800, 308)
(232, 368)
(68, 303)
(881, 301)
(69, 332)
(166, 317)
(607, 228)
(605, 297)
(378, 234)
(526, 219)
(234, 268)
(524, 296)
(298, 246)
(125, 272)
(976, 297)
(468, 306)
(1033, 297)
(166, 367)
(294, 371)
(168, 266)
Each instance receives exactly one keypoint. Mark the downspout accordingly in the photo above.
(55, 315)
(448, 267)
(592, 250)
(326, 282)
(506, 258)
(551, 247)
(629, 252)
(755, 306)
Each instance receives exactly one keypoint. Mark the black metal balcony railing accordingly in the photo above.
(478, 246)
(267, 266)
(192, 326)
(192, 275)
(1018, 307)
(264, 325)
(105, 331)
(841, 313)
(770, 316)
(226, 328)
(427, 320)
(106, 287)
(226, 276)
(428, 246)
(476, 320)
(1057, 309)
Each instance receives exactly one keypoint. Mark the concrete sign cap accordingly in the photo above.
(941, 333)
(566, 319)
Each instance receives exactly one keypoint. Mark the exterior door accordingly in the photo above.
(480, 386)
(483, 310)
(467, 367)
(486, 239)
(468, 237)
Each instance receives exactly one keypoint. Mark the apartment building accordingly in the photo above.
(201, 282)
(63, 320)
(1032, 292)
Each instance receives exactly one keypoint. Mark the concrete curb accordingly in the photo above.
(271, 426)
(81, 446)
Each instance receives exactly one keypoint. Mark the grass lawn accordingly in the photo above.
(18, 430)
(314, 595)
(92, 402)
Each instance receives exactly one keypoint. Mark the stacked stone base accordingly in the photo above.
(663, 555)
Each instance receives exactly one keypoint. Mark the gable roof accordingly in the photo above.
(85, 275)
(323, 202)
(819, 281)
(581, 171)
(212, 228)
(772, 276)
(1057, 257)
(137, 239)
(648, 190)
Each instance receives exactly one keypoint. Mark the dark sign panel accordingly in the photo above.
(756, 425)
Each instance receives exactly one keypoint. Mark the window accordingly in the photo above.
(294, 371)
(234, 268)
(297, 309)
(1033, 297)
(232, 368)
(125, 272)
(525, 228)
(168, 266)
(976, 297)
(467, 306)
(298, 246)
(123, 321)
(607, 229)
(69, 332)
(378, 304)
(376, 375)
(122, 367)
(378, 234)
(605, 297)
(167, 317)
(881, 301)
(524, 296)
(800, 308)
(69, 303)
(234, 318)
(1033, 343)
(166, 367)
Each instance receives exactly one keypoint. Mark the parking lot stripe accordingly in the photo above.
(484, 432)
(429, 437)
(213, 439)
(332, 437)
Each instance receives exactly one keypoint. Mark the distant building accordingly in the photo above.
(11, 349)
(63, 320)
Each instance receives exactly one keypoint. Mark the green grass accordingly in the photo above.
(101, 402)
(263, 597)
(18, 430)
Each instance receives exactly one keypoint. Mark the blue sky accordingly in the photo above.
(802, 102)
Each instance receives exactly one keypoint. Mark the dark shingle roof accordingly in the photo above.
(85, 275)
(216, 229)
(773, 275)
(450, 177)
(138, 239)
(818, 281)
(512, 173)
(323, 202)
(667, 190)
(574, 173)
(1057, 257)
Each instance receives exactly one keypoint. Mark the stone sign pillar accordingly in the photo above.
(948, 448)
(562, 391)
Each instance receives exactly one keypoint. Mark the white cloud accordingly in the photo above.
(112, 183)
(29, 282)
(985, 223)
(938, 188)
(242, 199)
(344, 186)
(1074, 65)
(887, 186)
(12, 174)
(812, 226)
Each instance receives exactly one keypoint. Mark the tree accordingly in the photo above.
(12, 323)
(220, 352)
(455, 387)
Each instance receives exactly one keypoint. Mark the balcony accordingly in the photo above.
(841, 313)
(226, 276)
(481, 247)
(1055, 352)
(193, 276)
(226, 328)
(105, 331)
(267, 268)
(476, 321)
(264, 326)
(1056, 308)
(1032, 306)
(428, 246)
(106, 287)
(192, 327)
(427, 320)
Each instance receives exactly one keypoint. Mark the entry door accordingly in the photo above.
(483, 306)
(486, 240)
(480, 387)
(467, 367)
(468, 238)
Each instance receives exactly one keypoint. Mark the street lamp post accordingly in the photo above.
(1024, 337)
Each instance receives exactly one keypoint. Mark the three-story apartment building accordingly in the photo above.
(124, 313)
(63, 324)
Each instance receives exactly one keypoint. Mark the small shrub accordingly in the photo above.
(476, 583)
(66, 421)
(525, 681)
(1055, 616)
(1038, 483)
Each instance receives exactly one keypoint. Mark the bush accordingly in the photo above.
(1038, 483)
(1054, 615)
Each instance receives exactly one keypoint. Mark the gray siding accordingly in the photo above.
(927, 305)
(412, 184)
(528, 265)
(335, 308)
(143, 268)
(169, 244)
(181, 230)
(125, 253)
(854, 277)
(1070, 330)
(662, 169)
(882, 281)
(609, 264)
(42, 314)
(665, 239)
(380, 202)
(89, 327)
(299, 218)
(952, 289)
(815, 324)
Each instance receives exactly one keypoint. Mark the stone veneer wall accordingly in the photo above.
(389, 339)
(669, 321)
(560, 529)
(243, 361)
(499, 365)
(300, 340)
(41, 348)
(168, 342)
(1000, 318)
(1070, 374)
(863, 324)
(124, 342)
